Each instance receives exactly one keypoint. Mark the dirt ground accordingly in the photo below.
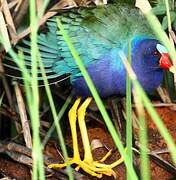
(159, 170)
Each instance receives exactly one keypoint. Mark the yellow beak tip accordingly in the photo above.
(172, 69)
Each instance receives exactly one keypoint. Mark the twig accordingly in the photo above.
(52, 11)
(157, 159)
(23, 154)
(9, 97)
(12, 4)
(8, 91)
(24, 119)
(20, 11)
(8, 112)
(4, 32)
(164, 95)
(39, 4)
(1, 58)
(163, 163)
(9, 20)
(172, 34)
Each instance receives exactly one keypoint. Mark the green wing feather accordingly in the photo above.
(94, 32)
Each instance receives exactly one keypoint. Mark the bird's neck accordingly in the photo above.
(149, 75)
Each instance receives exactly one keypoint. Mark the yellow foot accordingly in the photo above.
(90, 168)
(94, 168)
(99, 162)
(114, 164)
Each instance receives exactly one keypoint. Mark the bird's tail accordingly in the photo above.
(47, 45)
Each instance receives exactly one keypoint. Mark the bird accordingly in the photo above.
(98, 35)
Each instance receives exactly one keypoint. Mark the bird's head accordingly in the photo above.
(152, 54)
(149, 59)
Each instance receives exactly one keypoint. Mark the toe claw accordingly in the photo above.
(106, 156)
(57, 165)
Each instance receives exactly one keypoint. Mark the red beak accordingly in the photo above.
(165, 61)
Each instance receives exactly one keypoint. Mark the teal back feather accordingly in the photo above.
(94, 32)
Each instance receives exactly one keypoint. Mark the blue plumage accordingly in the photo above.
(109, 73)
(98, 35)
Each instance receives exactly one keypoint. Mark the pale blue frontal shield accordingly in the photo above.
(161, 48)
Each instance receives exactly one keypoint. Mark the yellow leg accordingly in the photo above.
(72, 120)
(76, 156)
(72, 115)
(95, 168)
(83, 129)
(88, 158)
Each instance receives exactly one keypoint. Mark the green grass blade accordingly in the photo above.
(55, 117)
(156, 27)
(59, 116)
(38, 166)
(129, 133)
(143, 138)
(148, 105)
(168, 15)
(156, 119)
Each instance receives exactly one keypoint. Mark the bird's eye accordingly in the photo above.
(156, 53)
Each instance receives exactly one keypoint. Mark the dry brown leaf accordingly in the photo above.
(4, 32)
(51, 12)
(9, 21)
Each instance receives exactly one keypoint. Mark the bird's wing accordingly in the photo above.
(93, 32)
